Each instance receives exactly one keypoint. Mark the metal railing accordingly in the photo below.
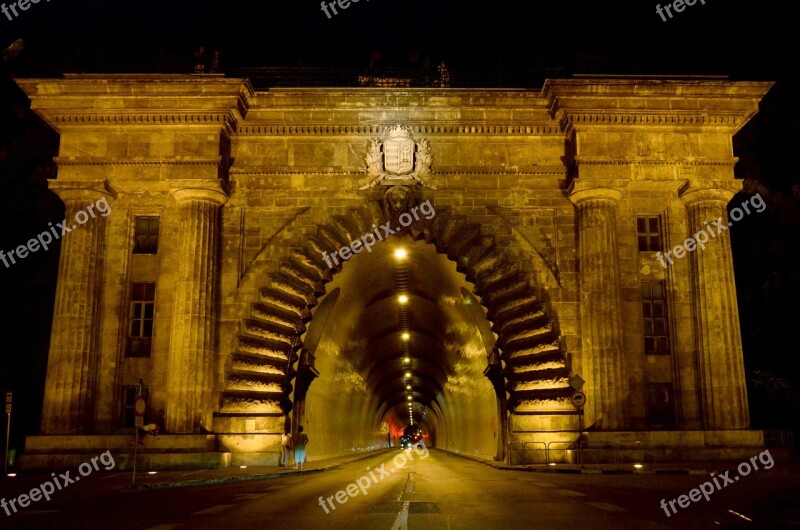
(579, 452)
(525, 455)
(418, 77)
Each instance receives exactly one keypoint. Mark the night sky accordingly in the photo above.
(743, 40)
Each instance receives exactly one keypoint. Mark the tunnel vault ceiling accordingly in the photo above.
(444, 323)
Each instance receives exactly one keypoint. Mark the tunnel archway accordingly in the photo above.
(521, 364)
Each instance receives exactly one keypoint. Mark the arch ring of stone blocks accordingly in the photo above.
(258, 378)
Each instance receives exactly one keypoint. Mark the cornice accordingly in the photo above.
(224, 118)
(700, 118)
(135, 161)
(586, 161)
(260, 129)
(362, 173)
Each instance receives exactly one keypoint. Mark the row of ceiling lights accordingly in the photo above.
(400, 254)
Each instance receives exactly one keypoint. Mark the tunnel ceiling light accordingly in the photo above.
(406, 359)
(408, 374)
(401, 253)
(410, 398)
(408, 387)
(406, 335)
(403, 299)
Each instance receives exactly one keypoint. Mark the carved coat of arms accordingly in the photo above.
(398, 159)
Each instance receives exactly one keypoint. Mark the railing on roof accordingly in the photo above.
(400, 77)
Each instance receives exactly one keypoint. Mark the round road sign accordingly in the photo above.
(140, 406)
(578, 399)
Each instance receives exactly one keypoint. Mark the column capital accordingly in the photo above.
(719, 192)
(84, 190)
(581, 192)
(214, 192)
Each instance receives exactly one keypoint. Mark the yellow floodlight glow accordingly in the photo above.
(400, 254)
(406, 335)
(403, 299)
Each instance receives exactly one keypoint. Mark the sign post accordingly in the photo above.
(9, 401)
(578, 400)
(139, 409)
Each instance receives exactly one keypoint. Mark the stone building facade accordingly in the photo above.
(207, 280)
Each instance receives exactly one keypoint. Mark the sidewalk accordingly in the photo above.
(108, 482)
(174, 479)
(789, 465)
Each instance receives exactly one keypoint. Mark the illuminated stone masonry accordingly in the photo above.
(207, 282)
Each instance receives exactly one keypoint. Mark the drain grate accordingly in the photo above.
(423, 507)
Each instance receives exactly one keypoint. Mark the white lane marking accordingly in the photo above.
(401, 523)
(111, 475)
(214, 509)
(165, 526)
(36, 512)
(191, 473)
(571, 493)
(607, 506)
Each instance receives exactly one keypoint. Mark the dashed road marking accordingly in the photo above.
(570, 493)
(36, 512)
(214, 509)
(607, 506)
(401, 522)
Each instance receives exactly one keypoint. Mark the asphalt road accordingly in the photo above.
(431, 492)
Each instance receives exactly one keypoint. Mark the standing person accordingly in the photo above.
(286, 447)
(300, 448)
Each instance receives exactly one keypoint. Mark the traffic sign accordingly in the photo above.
(578, 399)
(139, 422)
(577, 382)
(9, 400)
(140, 407)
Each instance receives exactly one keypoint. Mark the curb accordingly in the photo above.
(223, 480)
(581, 471)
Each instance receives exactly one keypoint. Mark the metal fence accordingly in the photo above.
(400, 77)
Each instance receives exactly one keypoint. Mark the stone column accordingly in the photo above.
(190, 379)
(601, 364)
(720, 357)
(74, 340)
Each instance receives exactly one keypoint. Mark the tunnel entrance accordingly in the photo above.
(400, 339)
(453, 317)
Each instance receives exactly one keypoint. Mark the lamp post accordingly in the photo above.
(139, 408)
(9, 399)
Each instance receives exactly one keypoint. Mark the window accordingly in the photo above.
(146, 235)
(654, 311)
(141, 320)
(660, 406)
(649, 234)
(128, 414)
